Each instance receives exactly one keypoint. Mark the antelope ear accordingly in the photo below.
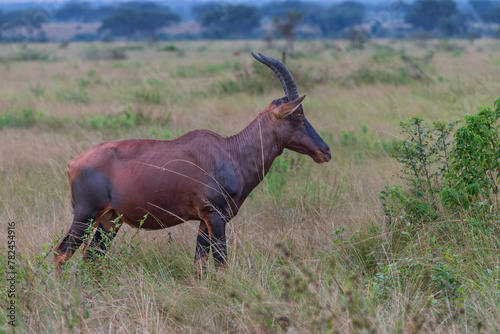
(288, 108)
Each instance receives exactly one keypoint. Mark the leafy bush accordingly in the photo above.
(366, 75)
(446, 211)
(130, 47)
(125, 119)
(192, 71)
(259, 78)
(16, 119)
(85, 37)
(255, 82)
(37, 90)
(475, 160)
(168, 48)
(229, 86)
(383, 54)
(453, 48)
(29, 55)
(95, 53)
(434, 273)
(425, 155)
(79, 95)
(148, 92)
(444, 177)
(390, 69)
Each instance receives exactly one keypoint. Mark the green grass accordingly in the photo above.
(97, 53)
(23, 118)
(191, 71)
(28, 54)
(78, 95)
(123, 120)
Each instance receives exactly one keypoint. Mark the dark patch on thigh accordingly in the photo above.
(92, 191)
(223, 187)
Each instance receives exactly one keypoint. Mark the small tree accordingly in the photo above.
(461, 174)
(493, 15)
(2, 22)
(422, 37)
(482, 7)
(472, 36)
(337, 18)
(268, 38)
(223, 20)
(82, 12)
(357, 38)
(29, 19)
(143, 18)
(431, 14)
(286, 27)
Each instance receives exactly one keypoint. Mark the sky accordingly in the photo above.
(167, 1)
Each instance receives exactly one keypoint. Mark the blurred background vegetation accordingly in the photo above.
(178, 20)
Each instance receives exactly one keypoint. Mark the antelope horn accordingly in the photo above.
(282, 73)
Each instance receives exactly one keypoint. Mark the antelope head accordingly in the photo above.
(292, 130)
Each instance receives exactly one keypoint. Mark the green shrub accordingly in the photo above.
(95, 53)
(29, 55)
(383, 54)
(37, 90)
(434, 273)
(229, 86)
(168, 48)
(17, 119)
(256, 81)
(259, 79)
(192, 71)
(124, 119)
(461, 175)
(448, 46)
(64, 44)
(79, 95)
(425, 155)
(130, 47)
(390, 69)
(82, 83)
(475, 160)
(148, 94)
(366, 75)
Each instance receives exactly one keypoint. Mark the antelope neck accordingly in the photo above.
(254, 150)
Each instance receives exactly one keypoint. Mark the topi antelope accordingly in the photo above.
(199, 176)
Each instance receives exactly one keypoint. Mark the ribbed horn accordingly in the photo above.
(282, 73)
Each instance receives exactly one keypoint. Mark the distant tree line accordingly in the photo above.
(287, 19)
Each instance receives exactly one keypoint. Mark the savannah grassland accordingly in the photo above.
(311, 250)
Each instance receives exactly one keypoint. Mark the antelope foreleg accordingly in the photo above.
(71, 242)
(219, 247)
(202, 249)
(211, 237)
